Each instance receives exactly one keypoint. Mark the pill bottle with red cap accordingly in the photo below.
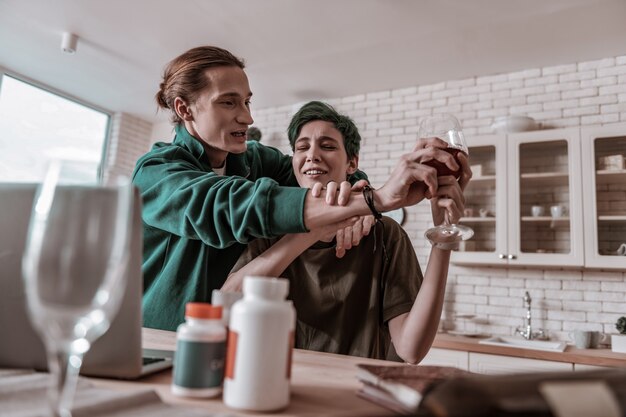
(200, 352)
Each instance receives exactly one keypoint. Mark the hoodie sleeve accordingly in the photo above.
(184, 200)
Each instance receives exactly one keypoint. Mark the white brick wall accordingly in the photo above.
(129, 140)
(561, 96)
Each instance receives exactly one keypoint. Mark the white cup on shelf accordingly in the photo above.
(557, 211)
(536, 211)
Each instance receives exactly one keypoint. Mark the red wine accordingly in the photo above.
(442, 169)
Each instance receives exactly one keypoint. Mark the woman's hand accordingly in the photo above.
(346, 236)
(232, 284)
(351, 236)
(411, 181)
(449, 203)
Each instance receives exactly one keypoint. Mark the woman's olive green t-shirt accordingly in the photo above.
(343, 305)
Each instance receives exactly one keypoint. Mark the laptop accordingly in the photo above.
(118, 352)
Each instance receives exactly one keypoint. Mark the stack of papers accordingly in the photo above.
(401, 388)
(24, 393)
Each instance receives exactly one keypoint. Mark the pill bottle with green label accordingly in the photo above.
(200, 352)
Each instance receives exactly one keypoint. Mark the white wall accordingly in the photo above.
(162, 132)
(567, 95)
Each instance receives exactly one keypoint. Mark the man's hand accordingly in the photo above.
(336, 194)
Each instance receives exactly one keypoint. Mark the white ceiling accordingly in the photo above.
(298, 50)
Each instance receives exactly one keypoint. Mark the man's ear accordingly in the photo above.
(353, 165)
(182, 109)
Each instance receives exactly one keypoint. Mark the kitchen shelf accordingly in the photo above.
(484, 180)
(611, 176)
(545, 178)
(477, 220)
(612, 218)
(546, 219)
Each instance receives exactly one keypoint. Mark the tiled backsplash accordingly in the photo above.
(576, 94)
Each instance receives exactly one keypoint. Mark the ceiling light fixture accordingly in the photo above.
(69, 43)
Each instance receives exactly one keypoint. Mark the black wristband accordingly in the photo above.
(368, 195)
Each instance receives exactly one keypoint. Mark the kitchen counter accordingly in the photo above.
(597, 357)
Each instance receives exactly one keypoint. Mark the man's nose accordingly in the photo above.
(244, 116)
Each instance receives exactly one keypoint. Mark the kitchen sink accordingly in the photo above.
(516, 342)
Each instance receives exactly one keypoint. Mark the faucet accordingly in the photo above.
(526, 331)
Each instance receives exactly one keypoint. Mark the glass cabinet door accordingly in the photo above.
(604, 182)
(544, 197)
(545, 227)
(485, 202)
(481, 200)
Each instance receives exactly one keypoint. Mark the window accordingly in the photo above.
(37, 125)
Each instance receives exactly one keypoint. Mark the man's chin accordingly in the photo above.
(239, 148)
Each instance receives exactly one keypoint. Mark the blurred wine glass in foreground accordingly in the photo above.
(445, 127)
(74, 267)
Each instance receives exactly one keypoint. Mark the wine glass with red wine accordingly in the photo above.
(447, 128)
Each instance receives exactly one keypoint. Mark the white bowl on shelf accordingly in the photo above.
(514, 123)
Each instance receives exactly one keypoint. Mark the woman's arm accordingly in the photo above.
(274, 260)
(413, 333)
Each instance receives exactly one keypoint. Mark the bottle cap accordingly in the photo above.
(225, 298)
(203, 311)
(266, 287)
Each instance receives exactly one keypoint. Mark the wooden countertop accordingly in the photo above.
(323, 384)
(597, 357)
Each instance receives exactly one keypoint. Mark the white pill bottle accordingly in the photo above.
(260, 346)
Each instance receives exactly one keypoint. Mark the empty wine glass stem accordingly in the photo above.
(64, 368)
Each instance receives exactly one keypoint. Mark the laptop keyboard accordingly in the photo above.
(148, 361)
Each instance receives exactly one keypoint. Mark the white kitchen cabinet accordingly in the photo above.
(446, 357)
(497, 365)
(580, 367)
(545, 171)
(604, 189)
(518, 171)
